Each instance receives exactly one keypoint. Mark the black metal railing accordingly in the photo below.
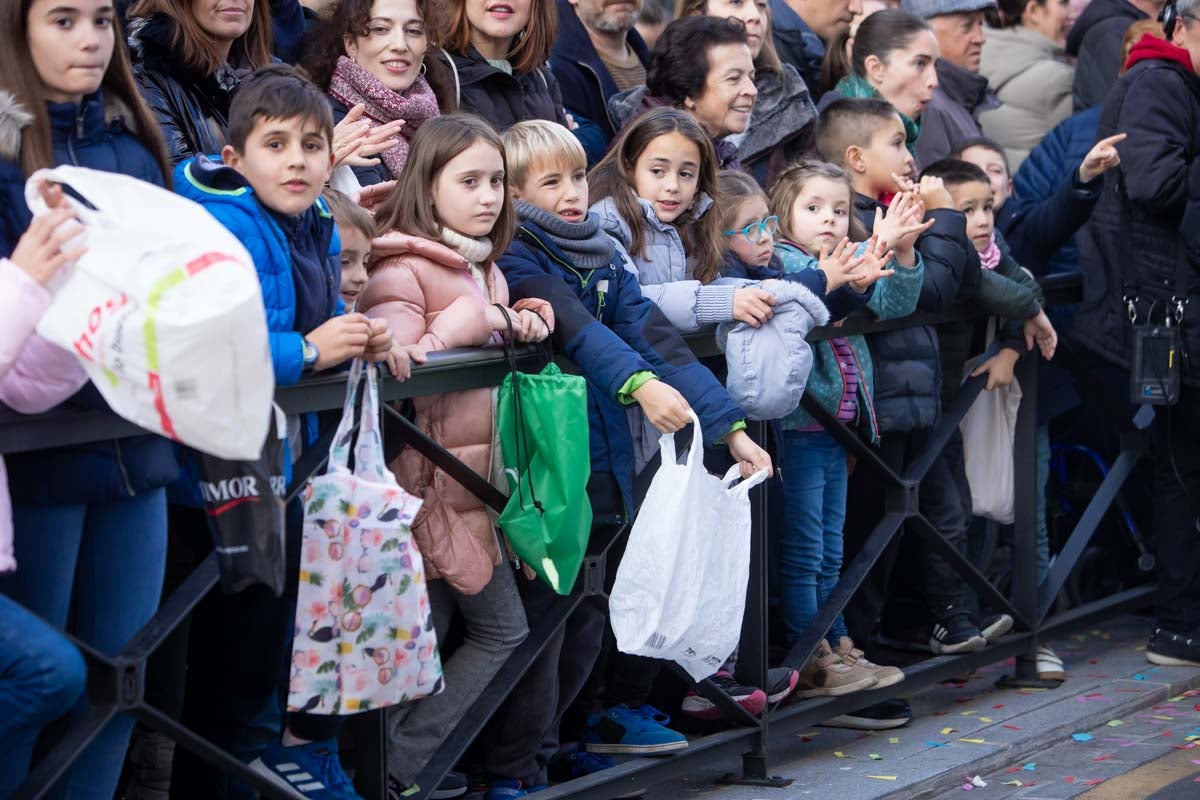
(115, 684)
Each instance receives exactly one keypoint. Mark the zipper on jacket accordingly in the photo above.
(601, 293)
(600, 85)
(78, 134)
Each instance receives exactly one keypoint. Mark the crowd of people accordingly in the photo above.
(418, 175)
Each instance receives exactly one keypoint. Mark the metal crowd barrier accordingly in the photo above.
(115, 684)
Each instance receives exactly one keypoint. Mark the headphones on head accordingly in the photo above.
(1169, 17)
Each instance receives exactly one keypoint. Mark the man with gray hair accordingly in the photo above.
(598, 53)
(952, 116)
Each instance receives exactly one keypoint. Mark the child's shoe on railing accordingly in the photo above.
(827, 675)
(632, 731)
(851, 655)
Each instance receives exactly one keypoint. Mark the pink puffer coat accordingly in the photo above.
(429, 296)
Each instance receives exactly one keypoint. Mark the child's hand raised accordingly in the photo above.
(840, 266)
(900, 227)
(665, 407)
(933, 193)
(1101, 158)
(874, 263)
(339, 339)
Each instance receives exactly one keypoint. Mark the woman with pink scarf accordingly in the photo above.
(369, 55)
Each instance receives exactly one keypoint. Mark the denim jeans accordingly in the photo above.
(814, 471)
(101, 564)
(43, 676)
(495, 625)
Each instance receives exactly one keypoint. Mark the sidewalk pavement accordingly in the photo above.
(1132, 711)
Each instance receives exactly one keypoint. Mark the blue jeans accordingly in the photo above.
(41, 677)
(814, 472)
(102, 565)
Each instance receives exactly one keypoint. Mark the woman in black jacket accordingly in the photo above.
(189, 59)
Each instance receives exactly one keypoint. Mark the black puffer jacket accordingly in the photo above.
(908, 372)
(1096, 41)
(1157, 102)
(193, 109)
(500, 98)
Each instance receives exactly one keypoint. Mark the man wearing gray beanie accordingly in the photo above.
(952, 116)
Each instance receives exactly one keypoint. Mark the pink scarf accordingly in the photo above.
(351, 85)
(990, 258)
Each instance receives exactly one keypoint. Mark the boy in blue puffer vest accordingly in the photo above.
(630, 354)
(265, 187)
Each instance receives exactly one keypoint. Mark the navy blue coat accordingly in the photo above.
(908, 370)
(582, 76)
(85, 135)
(611, 335)
(1047, 187)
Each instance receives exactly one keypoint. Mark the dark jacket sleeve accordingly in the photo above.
(287, 29)
(640, 323)
(842, 301)
(605, 360)
(592, 137)
(1037, 230)
(951, 263)
(1190, 229)
(1099, 61)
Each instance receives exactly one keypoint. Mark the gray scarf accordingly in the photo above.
(584, 243)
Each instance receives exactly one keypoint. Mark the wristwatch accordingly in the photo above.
(310, 356)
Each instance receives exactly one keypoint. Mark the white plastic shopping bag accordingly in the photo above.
(680, 590)
(165, 312)
(989, 431)
(364, 634)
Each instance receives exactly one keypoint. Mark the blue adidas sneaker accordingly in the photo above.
(632, 731)
(508, 789)
(312, 770)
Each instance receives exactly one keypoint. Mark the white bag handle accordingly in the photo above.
(666, 444)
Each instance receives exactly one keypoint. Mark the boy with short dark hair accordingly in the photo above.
(1037, 231)
(265, 187)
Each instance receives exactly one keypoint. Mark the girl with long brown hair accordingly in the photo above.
(89, 521)
(434, 279)
(653, 193)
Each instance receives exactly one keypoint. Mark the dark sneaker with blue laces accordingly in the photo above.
(632, 731)
(311, 770)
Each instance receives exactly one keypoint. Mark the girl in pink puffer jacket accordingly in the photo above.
(43, 673)
(432, 277)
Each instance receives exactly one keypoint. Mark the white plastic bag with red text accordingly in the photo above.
(165, 312)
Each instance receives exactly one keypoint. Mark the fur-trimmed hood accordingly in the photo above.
(14, 119)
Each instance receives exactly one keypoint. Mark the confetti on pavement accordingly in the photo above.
(947, 731)
(1114, 723)
(1081, 737)
(973, 741)
(883, 777)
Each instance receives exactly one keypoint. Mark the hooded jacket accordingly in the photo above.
(34, 374)
(584, 80)
(192, 109)
(1031, 77)
(429, 296)
(1132, 245)
(767, 367)
(92, 134)
(952, 115)
(610, 330)
(664, 269)
(500, 98)
(1096, 43)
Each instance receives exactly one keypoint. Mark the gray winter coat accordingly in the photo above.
(1030, 75)
(781, 126)
(664, 269)
(769, 365)
(952, 116)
